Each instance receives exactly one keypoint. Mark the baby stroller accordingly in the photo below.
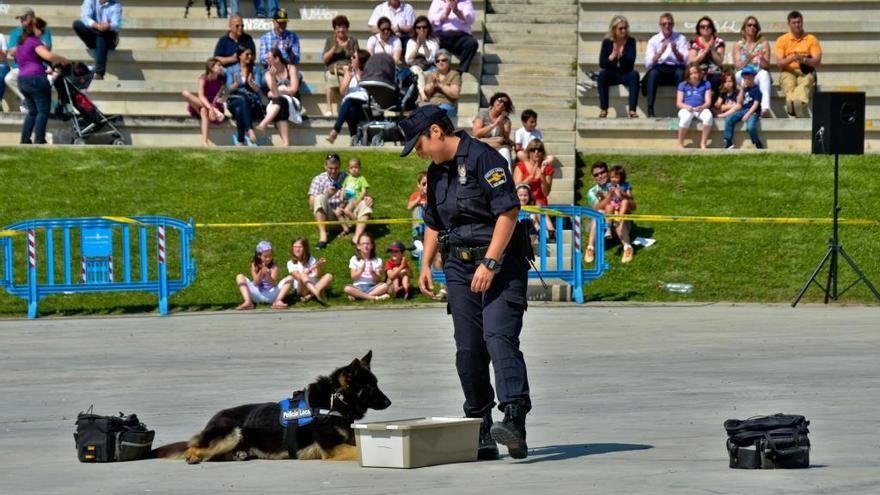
(388, 100)
(74, 105)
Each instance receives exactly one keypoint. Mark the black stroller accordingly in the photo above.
(74, 105)
(388, 100)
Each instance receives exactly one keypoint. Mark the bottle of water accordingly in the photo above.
(679, 288)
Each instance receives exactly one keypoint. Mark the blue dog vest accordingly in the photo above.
(296, 408)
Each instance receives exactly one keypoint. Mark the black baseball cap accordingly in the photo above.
(416, 123)
(280, 15)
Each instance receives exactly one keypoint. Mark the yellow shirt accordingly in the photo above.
(787, 45)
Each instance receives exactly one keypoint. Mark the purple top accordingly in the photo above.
(212, 87)
(29, 63)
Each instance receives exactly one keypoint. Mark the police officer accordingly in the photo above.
(470, 219)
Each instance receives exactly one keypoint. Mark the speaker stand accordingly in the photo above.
(835, 249)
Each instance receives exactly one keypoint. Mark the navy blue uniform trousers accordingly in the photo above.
(487, 327)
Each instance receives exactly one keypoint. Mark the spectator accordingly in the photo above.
(525, 134)
(725, 104)
(284, 106)
(537, 172)
(597, 199)
(617, 59)
(338, 50)
(798, 55)
(32, 81)
(282, 39)
(694, 99)
(272, 12)
(26, 15)
(398, 271)
(524, 193)
(98, 27)
(754, 51)
(417, 202)
(325, 194)
(222, 10)
(452, 21)
(366, 272)
(207, 104)
(385, 42)
(443, 87)
(748, 110)
(263, 286)
(351, 111)
(492, 125)
(707, 49)
(620, 202)
(665, 58)
(305, 272)
(354, 190)
(4, 67)
(245, 95)
(420, 53)
(401, 15)
(227, 46)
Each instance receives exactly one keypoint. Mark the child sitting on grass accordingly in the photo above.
(366, 272)
(398, 271)
(305, 272)
(620, 202)
(354, 188)
(261, 287)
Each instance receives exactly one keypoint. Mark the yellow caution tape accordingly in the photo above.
(387, 221)
(10, 233)
(764, 220)
(127, 220)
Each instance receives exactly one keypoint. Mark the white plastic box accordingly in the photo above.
(417, 442)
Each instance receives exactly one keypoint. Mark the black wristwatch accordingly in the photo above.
(491, 264)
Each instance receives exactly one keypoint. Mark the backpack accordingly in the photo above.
(111, 438)
(768, 442)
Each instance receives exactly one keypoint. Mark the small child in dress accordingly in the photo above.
(261, 287)
(417, 202)
(726, 102)
(366, 272)
(398, 271)
(619, 190)
(748, 110)
(305, 272)
(354, 188)
(524, 193)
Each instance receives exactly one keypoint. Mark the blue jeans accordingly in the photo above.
(608, 78)
(261, 9)
(221, 7)
(4, 69)
(100, 42)
(751, 125)
(38, 95)
(661, 75)
(351, 111)
(241, 112)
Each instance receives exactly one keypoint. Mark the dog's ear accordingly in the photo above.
(355, 365)
(365, 361)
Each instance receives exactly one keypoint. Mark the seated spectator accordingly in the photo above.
(665, 58)
(620, 202)
(222, 10)
(747, 109)
(402, 17)
(287, 42)
(4, 67)
(597, 199)
(354, 97)
(305, 272)
(226, 49)
(725, 104)
(284, 106)
(31, 54)
(338, 50)
(537, 172)
(707, 50)
(617, 60)
(398, 271)
(492, 125)
(798, 55)
(262, 12)
(245, 95)
(452, 21)
(325, 195)
(385, 42)
(263, 286)
(754, 51)
(524, 193)
(26, 16)
(354, 199)
(443, 87)
(694, 99)
(98, 27)
(420, 53)
(527, 133)
(205, 104)
(366, 272)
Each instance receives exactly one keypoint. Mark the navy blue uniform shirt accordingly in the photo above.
(468, 193)
(227, 46)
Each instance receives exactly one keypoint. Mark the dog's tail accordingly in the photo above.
(170, 451)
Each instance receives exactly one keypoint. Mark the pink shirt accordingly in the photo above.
(453, 22)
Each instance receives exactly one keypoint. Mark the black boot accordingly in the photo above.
(512, 431)
(488, 449)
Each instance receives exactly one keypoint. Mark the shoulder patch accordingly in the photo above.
(495, 177)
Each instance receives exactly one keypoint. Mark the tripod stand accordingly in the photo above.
(835, 249)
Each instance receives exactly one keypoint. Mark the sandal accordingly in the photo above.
(633, 114)
(603, 114)
(590, 255)
(244, 306)
(279, 305)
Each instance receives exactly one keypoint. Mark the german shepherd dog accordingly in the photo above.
(254, 431)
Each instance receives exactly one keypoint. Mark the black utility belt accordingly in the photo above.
(468, 254)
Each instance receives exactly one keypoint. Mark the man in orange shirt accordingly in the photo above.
(798, 55)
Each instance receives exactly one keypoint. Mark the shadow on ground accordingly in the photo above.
(563, 452)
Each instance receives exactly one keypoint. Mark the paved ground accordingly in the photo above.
(628, 399)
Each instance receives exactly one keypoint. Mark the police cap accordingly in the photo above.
(416, 123)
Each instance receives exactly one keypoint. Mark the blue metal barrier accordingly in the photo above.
(96, 257)
(576, 275)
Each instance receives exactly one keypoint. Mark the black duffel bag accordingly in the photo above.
(111, 438)
(768, 442)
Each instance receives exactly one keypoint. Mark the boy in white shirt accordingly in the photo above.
(526, 134)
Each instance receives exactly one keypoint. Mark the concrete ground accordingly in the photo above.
(627, 398)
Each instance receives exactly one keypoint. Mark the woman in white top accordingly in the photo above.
(305, 272)
(754, 51)
(282, 79)
(421, 51)
(351, 110)
(385, 41)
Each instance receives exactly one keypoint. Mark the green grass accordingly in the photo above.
(725, 262)
(741, 262)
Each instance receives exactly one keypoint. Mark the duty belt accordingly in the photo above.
(468, 254)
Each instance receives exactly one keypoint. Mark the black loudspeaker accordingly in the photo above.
(838, 123)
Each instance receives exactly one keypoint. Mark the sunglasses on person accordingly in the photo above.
(705, 26)
(667, 24)
(751, 25)
(444, 60)
(536, 150)
(597, 174)
(385, 29)
(623, 28)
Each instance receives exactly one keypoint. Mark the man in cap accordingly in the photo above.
(98, 27)
(24, 16)
(471, 219)
(279, 37)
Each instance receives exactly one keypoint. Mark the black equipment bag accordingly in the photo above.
(768, 442)
(111, 438)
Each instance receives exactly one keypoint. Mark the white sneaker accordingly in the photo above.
(23, 108)
(382, 297)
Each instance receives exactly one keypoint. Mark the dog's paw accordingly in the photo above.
(240, 455)
(191, 456)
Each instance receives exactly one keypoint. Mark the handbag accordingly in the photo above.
(111, 438)
(768, 442)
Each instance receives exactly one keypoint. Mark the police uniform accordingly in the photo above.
(465, 197)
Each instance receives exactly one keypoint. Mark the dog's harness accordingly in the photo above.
(296, 412)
